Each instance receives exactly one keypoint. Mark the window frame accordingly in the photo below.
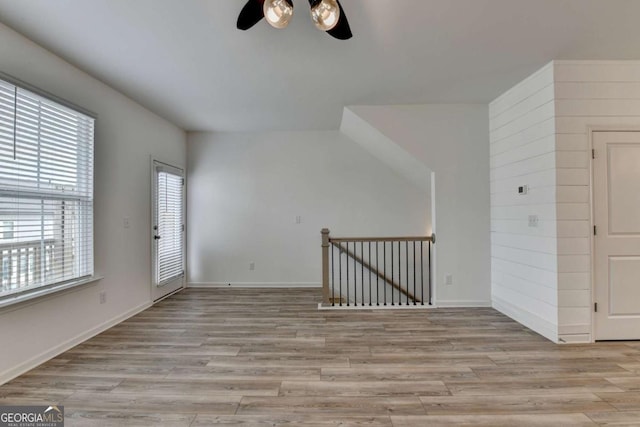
(20, 296)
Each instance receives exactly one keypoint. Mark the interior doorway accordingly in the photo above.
(616, 218)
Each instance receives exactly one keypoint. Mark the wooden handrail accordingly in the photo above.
(374, 270)
(431, 238)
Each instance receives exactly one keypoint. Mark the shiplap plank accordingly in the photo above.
(525, 136)
(568, 281)
(521, 226)
(523, 90)
(522, 152)
(526, 257)
(544, 178)
(526, 287)
(525, 242)
(536, 99)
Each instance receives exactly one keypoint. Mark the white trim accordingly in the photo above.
(35, 361)
(254, 285)
(154, 286)
(462, 303)
(526, 318)
(28, 295)
(591, 130)
(575, 338)
(164, 297)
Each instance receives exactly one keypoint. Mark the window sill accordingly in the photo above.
(29, 296)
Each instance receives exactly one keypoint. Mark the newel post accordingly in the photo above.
(325, 265)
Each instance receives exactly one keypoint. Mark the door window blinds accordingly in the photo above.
(46, 192)
(169, 223)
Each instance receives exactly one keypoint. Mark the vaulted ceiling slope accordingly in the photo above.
(186, 61)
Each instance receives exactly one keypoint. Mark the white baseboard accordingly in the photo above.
(528, 319)
(254, 285)
(462, 303)
(575, 339)
(577, 329)
(38, 360)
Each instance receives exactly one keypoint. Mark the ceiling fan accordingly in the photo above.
(327, 15)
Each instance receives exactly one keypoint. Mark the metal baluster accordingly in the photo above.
(414, 273)
(421, 272)
(384, 256)
(377, 277)
(362, 270)
(370, 294)
(355, 277)
(340, 272)
(406, 255)
(429, 275)
(333, 279)
(392, 273)
(346, 263)
(399, 273)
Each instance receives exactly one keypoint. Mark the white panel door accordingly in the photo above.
(168, 229)
(616, 199)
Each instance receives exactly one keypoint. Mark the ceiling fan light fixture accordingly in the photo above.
(325, 14)
(278, 13)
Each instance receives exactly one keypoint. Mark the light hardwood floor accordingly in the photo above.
(269, 357)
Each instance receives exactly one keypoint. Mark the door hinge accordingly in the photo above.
(595, 307)
(595, 230)
(593, 153)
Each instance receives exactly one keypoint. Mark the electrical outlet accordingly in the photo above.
(103, 297)
(298, 219)
(252, 266)
(533, 220)
(126, 222)
(448, 279)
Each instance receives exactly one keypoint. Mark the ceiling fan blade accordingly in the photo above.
(250, 14)
(342, 31)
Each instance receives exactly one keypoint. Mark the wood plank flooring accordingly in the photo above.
(269, 357)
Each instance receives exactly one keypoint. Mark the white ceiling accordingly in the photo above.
(186, 61)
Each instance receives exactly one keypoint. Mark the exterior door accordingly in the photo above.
(616, 202)
(168, 229)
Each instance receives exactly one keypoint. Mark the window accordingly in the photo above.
(46, 191)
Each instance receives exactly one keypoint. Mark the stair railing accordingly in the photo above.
(376, 271)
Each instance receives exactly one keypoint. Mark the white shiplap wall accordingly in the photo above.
(598, 95)
(524, 259)
(541, 276)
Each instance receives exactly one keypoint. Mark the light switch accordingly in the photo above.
(126, 222)
(298, 219)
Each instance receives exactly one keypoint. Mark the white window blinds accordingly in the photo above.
(46, 191)
(169, 223)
